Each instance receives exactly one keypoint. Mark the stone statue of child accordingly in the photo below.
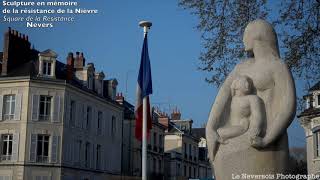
(246, 113)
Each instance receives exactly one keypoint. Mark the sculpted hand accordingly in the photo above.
(257, 142)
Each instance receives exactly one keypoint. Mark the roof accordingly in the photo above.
(199, 132)
(315, 87)
(311, 112)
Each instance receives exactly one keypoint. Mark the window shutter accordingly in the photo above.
(1, 107)
(54, 149)
(315, 145)
(17, 112)
(55, 115)
(82, 154)
(93, 121)
(33, 147)
(94, 153)
(35, 107)
(78, 115)
(102, 125)
(68, 109)
(15, 147)
(84, 116)
(102, 159)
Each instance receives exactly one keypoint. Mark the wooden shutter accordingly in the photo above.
(55, 115)
(33, 147)
(35, 107)
(17, 111)
(15, 147)
(54, 149)
(1, 107)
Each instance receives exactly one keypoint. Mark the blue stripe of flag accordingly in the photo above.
(144, 78)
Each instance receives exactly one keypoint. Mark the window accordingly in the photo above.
(185, 170)
(78, 150)
(317, 144)
(90, 82)
(190, 155)
(185, 150)
(113, 124)
(72, 113)
(9, 106)
(6, 147)
(178, 169)
(190, 171)
(87, 154)
(160, 165)
(98, 157)
(318, 97)
(89, 115)
(155, 141)
(46, 68)
(42, 148)
(45, 108)
(154, 165)
(99, 123)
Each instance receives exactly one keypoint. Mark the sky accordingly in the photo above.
(112, 40)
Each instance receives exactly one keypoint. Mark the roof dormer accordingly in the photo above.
(47, 63)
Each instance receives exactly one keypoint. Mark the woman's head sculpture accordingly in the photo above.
(262, 32)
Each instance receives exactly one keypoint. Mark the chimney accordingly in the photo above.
(164, 120)
(79, 61)
(120, 98)
(70, 65)
(176, 115)
(16, 51)
(4, 66)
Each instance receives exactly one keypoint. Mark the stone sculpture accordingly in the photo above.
(246, 111)
(258, 144)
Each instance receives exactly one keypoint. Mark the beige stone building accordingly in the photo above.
(57, 121)
(310, 121)
(132, 147)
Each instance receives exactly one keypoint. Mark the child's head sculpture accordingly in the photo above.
(241, 86)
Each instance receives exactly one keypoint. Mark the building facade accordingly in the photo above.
(310, 121)
(132, 147)
(58, 121)
(184, 156)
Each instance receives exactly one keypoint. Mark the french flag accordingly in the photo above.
(144, 89)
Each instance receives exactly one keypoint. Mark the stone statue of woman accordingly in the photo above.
(273, 84)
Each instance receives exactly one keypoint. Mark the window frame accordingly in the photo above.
(6, 138)
(47, 68)
(99, 122)
(41, 157)
(12, 106)
(46, 116)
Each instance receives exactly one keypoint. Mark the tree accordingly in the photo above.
(222, 23)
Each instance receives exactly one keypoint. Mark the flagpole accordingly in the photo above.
(146, 26)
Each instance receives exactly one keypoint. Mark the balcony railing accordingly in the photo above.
(42, 159)
(6, 157)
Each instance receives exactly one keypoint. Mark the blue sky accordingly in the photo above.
(112, 40)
